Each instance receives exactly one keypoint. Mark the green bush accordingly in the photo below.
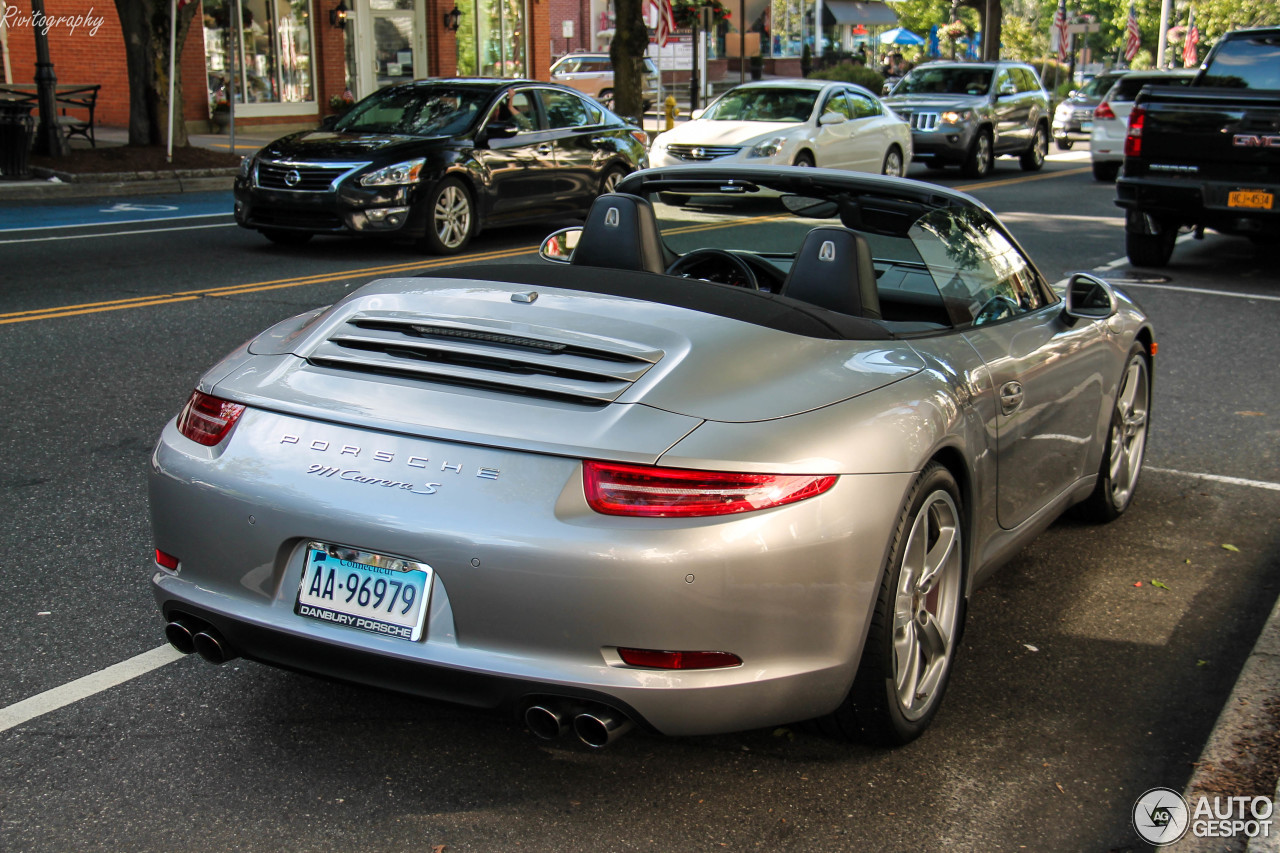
(847, 72)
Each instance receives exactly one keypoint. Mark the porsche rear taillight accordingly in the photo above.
(676, 492)
(1133, 139)
(1104, 111)
(206, 419)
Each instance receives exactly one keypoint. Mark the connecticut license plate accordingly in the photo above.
(1086, 125)
(1250, 198)
(370, 592)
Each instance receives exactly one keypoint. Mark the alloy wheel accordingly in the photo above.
(452, 216)
(1129, 432)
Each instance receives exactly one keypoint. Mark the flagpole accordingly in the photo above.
(173, 42)
(1162, 44)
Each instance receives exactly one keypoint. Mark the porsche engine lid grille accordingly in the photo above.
(548, 363)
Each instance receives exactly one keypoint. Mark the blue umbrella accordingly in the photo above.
(898, 35)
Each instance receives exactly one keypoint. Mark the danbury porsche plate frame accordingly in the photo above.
(363, 590)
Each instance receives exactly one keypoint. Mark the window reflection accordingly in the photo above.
(270, 53)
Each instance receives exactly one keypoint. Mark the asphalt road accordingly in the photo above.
(1076, 688)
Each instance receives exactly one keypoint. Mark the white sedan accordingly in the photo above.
(792, 123)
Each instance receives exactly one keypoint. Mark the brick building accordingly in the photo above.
(287, 59)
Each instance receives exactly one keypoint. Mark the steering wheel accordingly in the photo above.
(715, 265)
(997, 308)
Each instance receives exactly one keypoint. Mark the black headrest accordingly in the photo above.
(621, 232)
(833, 270)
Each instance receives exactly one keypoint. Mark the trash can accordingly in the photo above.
(17, 129)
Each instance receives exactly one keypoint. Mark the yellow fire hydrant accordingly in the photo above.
(670, 110)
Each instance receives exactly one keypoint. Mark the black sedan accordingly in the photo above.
(437, 160)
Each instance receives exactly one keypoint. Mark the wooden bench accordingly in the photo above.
(80, 99)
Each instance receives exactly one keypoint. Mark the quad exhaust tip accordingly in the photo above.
(597, 726)
(188, 636)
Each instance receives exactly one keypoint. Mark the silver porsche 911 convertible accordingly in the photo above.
(732, 454)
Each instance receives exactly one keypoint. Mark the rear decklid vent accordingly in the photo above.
(491, 355)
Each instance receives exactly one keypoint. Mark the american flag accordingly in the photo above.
(1132, 36)
(1189, 58)
(666, 22)
(1058, 36)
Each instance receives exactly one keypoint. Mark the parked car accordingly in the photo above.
(791, 122)
(725, 465)
(1072, 117)
(435, 161)
(968, 113)
(1111, 117)
(592, 74)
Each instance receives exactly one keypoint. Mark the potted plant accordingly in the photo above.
(219, 112)
(757, 67)
(340, 105)
(806, 61)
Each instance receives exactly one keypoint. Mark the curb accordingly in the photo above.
(65, 185)
(1244, 714)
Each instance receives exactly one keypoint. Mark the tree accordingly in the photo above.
(630, 43)
(145, 24)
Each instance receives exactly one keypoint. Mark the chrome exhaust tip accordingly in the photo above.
(598, 729)
(212, 647)
(180, 637)
(546, 722)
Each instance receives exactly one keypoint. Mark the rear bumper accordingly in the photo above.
(531, 592)
(1199, 202)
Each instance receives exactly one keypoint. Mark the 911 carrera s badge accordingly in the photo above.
(365, 476)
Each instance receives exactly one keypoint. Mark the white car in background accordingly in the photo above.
(791, 123)
(1111, 117)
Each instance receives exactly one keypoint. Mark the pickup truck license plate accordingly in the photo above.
(1250, 198)
(359, 589)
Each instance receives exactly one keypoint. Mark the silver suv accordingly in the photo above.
(1072, 118)
(592, 74)
(968, 113)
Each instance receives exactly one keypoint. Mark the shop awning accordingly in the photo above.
(851, 12)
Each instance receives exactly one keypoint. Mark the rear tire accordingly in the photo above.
(612, 176)
(1126, 443)
(1150, 250)
(1064, 144)
(981, 158)
(1032, 159)
(915, 627)
(284, 237)
(1105, 171)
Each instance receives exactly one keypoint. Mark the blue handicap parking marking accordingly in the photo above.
(108, 210)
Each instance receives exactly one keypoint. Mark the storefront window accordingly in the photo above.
(491, 38)
(269, 55)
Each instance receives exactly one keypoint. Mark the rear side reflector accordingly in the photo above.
(651, 659)
(207, 420)
(676, 492)
(166, 561)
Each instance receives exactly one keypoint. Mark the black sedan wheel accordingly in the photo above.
(451, 218)
(915, 628)
(610, 181)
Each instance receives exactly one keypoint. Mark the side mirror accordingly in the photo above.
(1089, 298)
(559, 247)
(1008, 89)
(496, 130)
(831, 118)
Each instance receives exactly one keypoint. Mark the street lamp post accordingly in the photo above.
(48, 140)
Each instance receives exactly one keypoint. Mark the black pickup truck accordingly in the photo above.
(1206, 155)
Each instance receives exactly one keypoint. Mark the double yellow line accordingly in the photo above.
(254, 287)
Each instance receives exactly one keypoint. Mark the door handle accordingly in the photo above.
(544, 149)
(1011, 396)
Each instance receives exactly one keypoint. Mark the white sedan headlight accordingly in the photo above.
(769, 147)
(399, 173)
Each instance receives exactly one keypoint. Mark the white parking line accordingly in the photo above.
(83, 688)
(115, 233)
(1202, 291)
(1218, 478)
